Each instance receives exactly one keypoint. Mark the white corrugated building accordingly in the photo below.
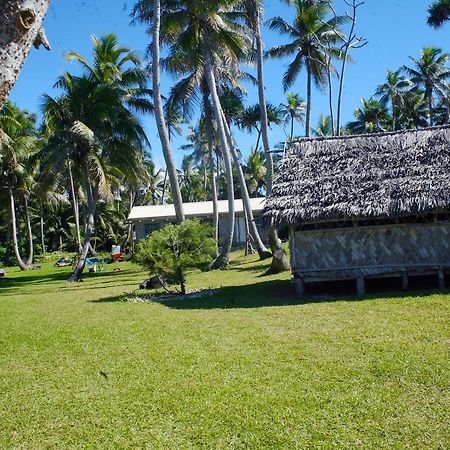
(153, 217)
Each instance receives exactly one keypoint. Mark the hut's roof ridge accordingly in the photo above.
(362, 176)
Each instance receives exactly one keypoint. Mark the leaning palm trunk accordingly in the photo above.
(275, 242)
(224, 255)
(90, 215)
(260, 247)
(159, 115)
(76, 210)
(210, 138)
(42, 231)
(20, 27)
(12, 211)
(29, 232)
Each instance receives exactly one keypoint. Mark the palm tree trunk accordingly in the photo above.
(76, 210)
(291, 137)
(90, 215)
(308, 98)
(210, 137)
(330, 95)
(260, 247)
(12, 211)
(430, 108)
(223, 259)
(29, 232)
(394, 121)
(42, 231)
(159, 115)
(21, 22)
(164, 187)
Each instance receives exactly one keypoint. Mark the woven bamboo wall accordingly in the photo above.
(365, 251)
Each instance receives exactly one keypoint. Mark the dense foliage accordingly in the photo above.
(169, 253)
(69, 183)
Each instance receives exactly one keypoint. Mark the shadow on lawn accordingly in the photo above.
(33, 278)
(267, 294)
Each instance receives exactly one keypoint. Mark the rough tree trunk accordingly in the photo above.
(29, 232)
(76, 210)
(20, 28)
(42, 231)
(308, 98)
(12, 211)
(90, 215)
(275, 242)
(159, 115)
(260, 247)
(223, 258)
(210, 137)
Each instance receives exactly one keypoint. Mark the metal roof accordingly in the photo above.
(154, 213)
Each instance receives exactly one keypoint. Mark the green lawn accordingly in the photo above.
(250, 367)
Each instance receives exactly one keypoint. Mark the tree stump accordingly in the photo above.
(279, 263)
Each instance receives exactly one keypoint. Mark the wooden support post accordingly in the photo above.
(360, 286)
(405, 281)
(300, 287)
(441, 279)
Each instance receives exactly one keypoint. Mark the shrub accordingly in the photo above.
(171, 251)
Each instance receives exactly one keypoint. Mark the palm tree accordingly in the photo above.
(21, 28)
(255, 172)
(91, 125)
(18, 141)
(293, 111)
(250, 120)
(391, 91)
(324, 127)
(310, 34)
(207, 42)
(430, 73)
(438, 13)
(414, 110)
(371, 117)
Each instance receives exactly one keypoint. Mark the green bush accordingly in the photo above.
(171, 251)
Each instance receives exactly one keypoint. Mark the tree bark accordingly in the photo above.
(42, 231)
(12, 211)
(210, 137)
(159, 115)
(20, 26)
(223, 259)
(260, 247)
(275, 242)
(308, 99)
(90, 215)
(29, 232)
(76, 210)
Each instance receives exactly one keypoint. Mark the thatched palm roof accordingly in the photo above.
(362, 177)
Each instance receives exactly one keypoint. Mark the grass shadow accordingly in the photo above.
(268, 294)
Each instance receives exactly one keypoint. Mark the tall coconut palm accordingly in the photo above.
(92, 125)
(430, 73)
(324, 127)
(310, 33)
(391, 91)
(371, 117)
(293, 111)
(414, 110)
(152, 13)
(438, 13)
(18, 141)
(21, 27)
(207, 38)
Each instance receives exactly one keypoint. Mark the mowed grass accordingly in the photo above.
(250, 367)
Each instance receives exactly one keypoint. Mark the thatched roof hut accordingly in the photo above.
(359, 189)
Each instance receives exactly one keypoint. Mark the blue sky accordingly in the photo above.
(394, 29)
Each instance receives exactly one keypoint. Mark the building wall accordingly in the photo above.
(365, 251)
(143, 229)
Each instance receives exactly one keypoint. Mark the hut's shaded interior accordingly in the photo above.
(366, 207)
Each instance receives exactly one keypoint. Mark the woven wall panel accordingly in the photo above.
(370, 250)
